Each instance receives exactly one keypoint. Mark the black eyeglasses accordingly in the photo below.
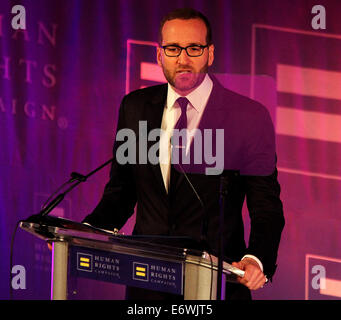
(192, 51)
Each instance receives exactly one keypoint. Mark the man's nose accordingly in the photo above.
(183, 58)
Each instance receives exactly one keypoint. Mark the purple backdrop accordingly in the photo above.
(61, 82)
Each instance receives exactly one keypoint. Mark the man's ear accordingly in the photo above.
(210, 55)
(159, 56)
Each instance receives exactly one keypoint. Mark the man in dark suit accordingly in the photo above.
(172, 203)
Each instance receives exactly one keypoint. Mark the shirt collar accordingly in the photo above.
(197, 98)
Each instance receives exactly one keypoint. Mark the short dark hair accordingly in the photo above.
(186, 14)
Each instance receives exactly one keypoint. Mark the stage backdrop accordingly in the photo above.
(61, 82)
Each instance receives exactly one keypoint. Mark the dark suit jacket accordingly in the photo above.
(249, 148)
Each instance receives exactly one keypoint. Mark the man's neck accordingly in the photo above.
(184, 93)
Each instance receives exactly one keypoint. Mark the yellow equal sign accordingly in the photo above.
(140, 271)
(84, 262)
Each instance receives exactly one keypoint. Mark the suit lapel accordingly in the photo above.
(154, 108)
(154, 111)
(215, 111)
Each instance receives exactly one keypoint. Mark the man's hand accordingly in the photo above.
(253, 278)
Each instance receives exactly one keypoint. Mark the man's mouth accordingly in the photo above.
(183, 71)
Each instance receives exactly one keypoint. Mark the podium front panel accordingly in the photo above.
(131, 270)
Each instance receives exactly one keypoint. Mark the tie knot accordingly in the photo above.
(183, 102)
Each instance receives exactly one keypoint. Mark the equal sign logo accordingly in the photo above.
(84, 262)
(308, 114)
(142, 69)
(140, 271)
(318, 83)
(322, 278)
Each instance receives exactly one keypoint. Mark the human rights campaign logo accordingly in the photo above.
(140, 271)
(84, 262)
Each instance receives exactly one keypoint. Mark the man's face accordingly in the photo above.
(185, 73)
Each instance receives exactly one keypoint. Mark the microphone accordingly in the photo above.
(204, 226)
(48, 207)
(226, 182)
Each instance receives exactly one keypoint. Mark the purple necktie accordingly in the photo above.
(179, 144)
(182, 122)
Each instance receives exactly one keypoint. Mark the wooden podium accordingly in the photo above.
(164, 264)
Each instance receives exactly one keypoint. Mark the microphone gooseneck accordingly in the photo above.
(76, 179)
